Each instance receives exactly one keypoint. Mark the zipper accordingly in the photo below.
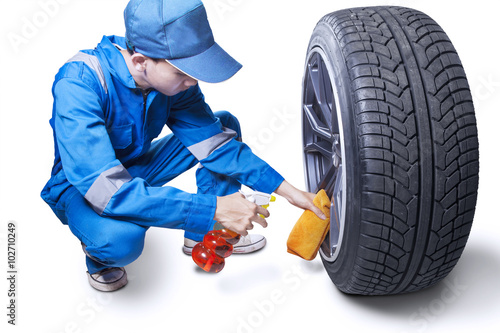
(145, 94)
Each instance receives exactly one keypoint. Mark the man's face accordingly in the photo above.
(167, 79)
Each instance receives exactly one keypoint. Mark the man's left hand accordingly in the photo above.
(299, 198)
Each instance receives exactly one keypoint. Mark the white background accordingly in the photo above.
(268, 291)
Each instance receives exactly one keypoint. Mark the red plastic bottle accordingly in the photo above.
(207, 259)
(214, 241)
(216, 245)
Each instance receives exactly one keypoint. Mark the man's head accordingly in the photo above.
(178, 31)
(157, 74)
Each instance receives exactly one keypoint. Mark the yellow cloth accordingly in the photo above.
(310, 231)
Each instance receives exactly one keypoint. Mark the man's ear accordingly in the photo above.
(139, 62)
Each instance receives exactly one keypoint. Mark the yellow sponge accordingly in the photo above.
(310, 231)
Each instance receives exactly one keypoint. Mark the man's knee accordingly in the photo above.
(228, 120)
(119, 248)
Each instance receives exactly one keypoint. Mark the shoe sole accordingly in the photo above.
(243, 249)
(107, 287)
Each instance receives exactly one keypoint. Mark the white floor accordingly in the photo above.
(268, 291)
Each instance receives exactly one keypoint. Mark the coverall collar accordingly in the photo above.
(113, 59)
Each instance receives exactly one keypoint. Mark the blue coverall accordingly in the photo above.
(108, 174)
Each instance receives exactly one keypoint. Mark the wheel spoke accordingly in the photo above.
(313, 72)
(335, 128)
(318, 127)
(321, 87)
(325, 96)
(327, 181)
(336, 208)
(322, 147)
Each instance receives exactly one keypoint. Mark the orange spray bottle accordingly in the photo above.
(218, 243)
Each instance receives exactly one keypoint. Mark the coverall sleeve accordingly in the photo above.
(193, 122)
(90, 164)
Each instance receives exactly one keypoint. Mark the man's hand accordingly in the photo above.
(299, 198)
(237, 213)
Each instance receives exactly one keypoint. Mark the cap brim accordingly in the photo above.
(213, 66)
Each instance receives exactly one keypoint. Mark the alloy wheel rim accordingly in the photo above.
(323, 145)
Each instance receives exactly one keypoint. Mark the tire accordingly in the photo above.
(389, 132)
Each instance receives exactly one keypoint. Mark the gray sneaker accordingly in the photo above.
(109, 279)
(246, 244)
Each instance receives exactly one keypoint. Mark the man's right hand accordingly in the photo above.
(238, 214)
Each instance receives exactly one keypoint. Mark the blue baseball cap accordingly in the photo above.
(178, 31)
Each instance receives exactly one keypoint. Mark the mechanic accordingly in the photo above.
(108, 175)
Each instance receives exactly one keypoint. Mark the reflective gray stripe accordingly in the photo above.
(204, 148)
(93, 63)
(105, 186)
